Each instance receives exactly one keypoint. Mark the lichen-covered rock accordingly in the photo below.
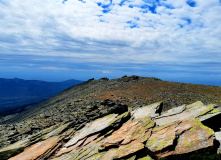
(23, 129)
(128, 149)
(38, 150)
(196, 138)
(147, 157)
(57, 131)
(112, 120)
(211, 111)
(17, 147)
(161, 138)
(172, 135)
(133, 130)
(109, 155)
(91, 128)
(80, 153)
(195, 110)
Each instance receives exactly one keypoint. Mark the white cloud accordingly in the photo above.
(73, 29)
(106, 71)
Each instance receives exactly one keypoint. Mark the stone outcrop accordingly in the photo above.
(143, 134)
(78, 113)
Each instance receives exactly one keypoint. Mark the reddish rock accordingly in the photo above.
(196, 138)
(165, 154)
(125, 150)
(133, 130)
(69, 149)
(183, 126)
(37, 150)
(82, 144)
(161, 138)
(92, 127)
(90, 139)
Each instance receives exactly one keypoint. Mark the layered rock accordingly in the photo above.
(146, 133)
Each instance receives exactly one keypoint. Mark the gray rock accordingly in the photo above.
(218, 136)
(91, 128)
(195, 110)
(173, 111)
(145, 111)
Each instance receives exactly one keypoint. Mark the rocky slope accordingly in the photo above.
(185, 132)
(111, 119)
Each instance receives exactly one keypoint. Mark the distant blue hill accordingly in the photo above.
(16, 94)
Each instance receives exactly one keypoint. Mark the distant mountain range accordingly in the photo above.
(16, 94)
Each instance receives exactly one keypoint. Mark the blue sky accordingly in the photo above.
(56, 40)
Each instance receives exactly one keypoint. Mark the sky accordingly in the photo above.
(56, 40)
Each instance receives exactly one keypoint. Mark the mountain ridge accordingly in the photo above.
(78, 106)
(149, 89)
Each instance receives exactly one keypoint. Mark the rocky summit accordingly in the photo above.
(112, 119)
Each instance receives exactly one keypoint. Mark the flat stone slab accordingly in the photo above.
(196, 138)
(37, 150)
(138, 129)
(91, 128)
(79, 153)
(161, 138)
(112, 120)
(145, 111)
(195, 110)
(173, 111)
(57, 131)
(110, 154)
(128, 149)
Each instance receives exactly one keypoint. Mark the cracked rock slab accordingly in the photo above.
(91, 128)
(193, 111)
(125, 150)
(133, 130)
(196, 138)
(173, 111)
(110, 121)
(37, 150)
(162, 138)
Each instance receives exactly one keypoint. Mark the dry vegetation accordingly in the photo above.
(171, 93)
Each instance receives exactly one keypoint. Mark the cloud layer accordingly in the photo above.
(186, 34)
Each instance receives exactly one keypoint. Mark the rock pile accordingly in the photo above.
(185, 132)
